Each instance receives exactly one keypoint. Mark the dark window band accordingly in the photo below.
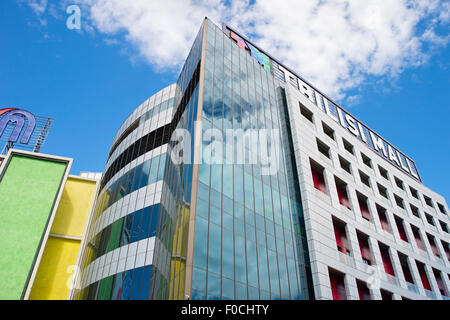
(155, 138)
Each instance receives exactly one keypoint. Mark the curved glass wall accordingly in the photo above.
(142, 193)
(117, 259)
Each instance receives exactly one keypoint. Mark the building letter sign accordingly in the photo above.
(22, 120)
(335, 112)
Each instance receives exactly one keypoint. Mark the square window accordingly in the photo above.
(399, 201)
(444, 226)
(306, 113)
(366, 160)
(345, 165)
(364, 178)
(348, 146)
(383, 172)
(428, 201)
(323, 148)
(328, 131)
(414, 192)
(415, 211)
(430, 219)
(399, 183)
(382, 190)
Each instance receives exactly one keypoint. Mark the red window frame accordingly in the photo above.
(318, 180)
(337, 286)
(387, 263)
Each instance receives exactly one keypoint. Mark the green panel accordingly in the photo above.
(105, 288)
(116, 233)
(28, 190)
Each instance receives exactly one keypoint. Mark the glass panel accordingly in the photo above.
(228, 255)
(199, 280)
(202, 208)
(137, 284)
(227, 289)
(137, 176)
(201, 242)
(145, 174)
(136, 226)
(213, 286)
(153, 170)
(162, 163)
(214, 248)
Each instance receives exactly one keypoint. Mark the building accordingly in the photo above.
(44, 214)
(243, 181)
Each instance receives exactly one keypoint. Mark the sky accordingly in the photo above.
(387, 62)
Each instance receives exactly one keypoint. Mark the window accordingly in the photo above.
(418, 238)
(348, 146)
(405, 267)
(306, 113)
(445, 245)
(401, 228)
(386, 258)
(430, 219)
(399, 183)
(441, 208)
(364, 178)
(366, 160)
(414, 193)
(415, 211)
(328, 131)
(345, 165)
(433, 246)
(318, 176)
(423, 275)
(440, 282)
(383, 172)
(399, 201)
(337, 285)
(383, 219)
(323, 148)
(382, 191)
(341, 188)
(341, 237)
(363, 290)
(363, 206)
(443, 226)
(366, 254)
(386, 295)
(428, 201)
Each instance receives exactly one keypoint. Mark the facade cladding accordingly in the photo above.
(28, 189)
(44, 213)
(322, 226)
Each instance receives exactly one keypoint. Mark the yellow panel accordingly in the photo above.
(55, 269)
(73, 209)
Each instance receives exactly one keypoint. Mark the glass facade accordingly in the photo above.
(247, 233)
(115, 225)
(168, 276)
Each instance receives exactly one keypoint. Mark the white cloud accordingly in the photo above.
(38, 6)
(335, 44)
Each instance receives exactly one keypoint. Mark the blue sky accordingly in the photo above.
(88, 81)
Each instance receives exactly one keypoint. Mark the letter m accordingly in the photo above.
(18, 118)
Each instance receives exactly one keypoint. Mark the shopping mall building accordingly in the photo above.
(243, 181)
